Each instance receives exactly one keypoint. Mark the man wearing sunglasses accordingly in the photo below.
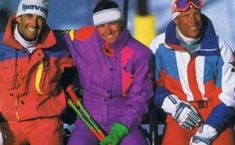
(195, 79)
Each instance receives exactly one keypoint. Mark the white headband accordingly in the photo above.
(106, 16)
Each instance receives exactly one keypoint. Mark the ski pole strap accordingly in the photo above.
(72, 94)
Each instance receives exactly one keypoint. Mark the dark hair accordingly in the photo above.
(105, 4)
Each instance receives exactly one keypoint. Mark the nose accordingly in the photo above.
(193, 19)
(107, 29)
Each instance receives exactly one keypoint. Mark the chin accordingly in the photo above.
(30, 39)
(110, 41)
(194, 35)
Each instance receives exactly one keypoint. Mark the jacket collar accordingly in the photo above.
(208, 45)
(47, 40)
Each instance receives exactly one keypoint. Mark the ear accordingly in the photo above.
(18, 19)
(122, 24)
(176, 21)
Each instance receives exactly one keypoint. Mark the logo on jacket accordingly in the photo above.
(233, 64)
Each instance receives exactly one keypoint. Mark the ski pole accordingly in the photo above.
(90, 119)
(84, 115)
(93, 130)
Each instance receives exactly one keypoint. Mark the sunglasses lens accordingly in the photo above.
(197, 3)
(181, 4)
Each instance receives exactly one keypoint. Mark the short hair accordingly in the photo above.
(105, 4)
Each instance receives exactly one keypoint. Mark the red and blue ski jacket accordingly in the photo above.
(207, 75)
(30, 82)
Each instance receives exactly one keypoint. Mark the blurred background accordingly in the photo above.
(72, 14)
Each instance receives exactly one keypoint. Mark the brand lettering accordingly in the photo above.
(33, 7)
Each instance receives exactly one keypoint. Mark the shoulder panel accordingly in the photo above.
(84, 33)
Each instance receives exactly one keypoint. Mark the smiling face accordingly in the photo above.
(30, 26)
(110, 31)
(189, 22)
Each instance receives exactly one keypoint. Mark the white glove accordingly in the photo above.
(204, 135)
(184, 113)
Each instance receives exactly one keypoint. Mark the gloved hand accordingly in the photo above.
(184, 113)
(118, 131)
(204, 135)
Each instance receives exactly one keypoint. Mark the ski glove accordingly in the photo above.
(118, 131)
(183, 113)
(204, 135)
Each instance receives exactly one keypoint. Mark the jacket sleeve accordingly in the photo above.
(160, 91)
(66, 61)
(223, 113)
(140, 93)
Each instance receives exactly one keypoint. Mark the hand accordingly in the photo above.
(186, 116)
(204, 135)
(184, 113)
(118, 131)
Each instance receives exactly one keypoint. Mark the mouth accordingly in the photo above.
(31, 33)
(194, 27)
(109, 36)
(32, 30)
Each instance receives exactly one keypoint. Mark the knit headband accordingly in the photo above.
(106, 16)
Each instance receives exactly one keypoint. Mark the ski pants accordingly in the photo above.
(33, 132)
(176, 135)
(81, 135)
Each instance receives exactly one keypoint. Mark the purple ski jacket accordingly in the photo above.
(118, 87)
